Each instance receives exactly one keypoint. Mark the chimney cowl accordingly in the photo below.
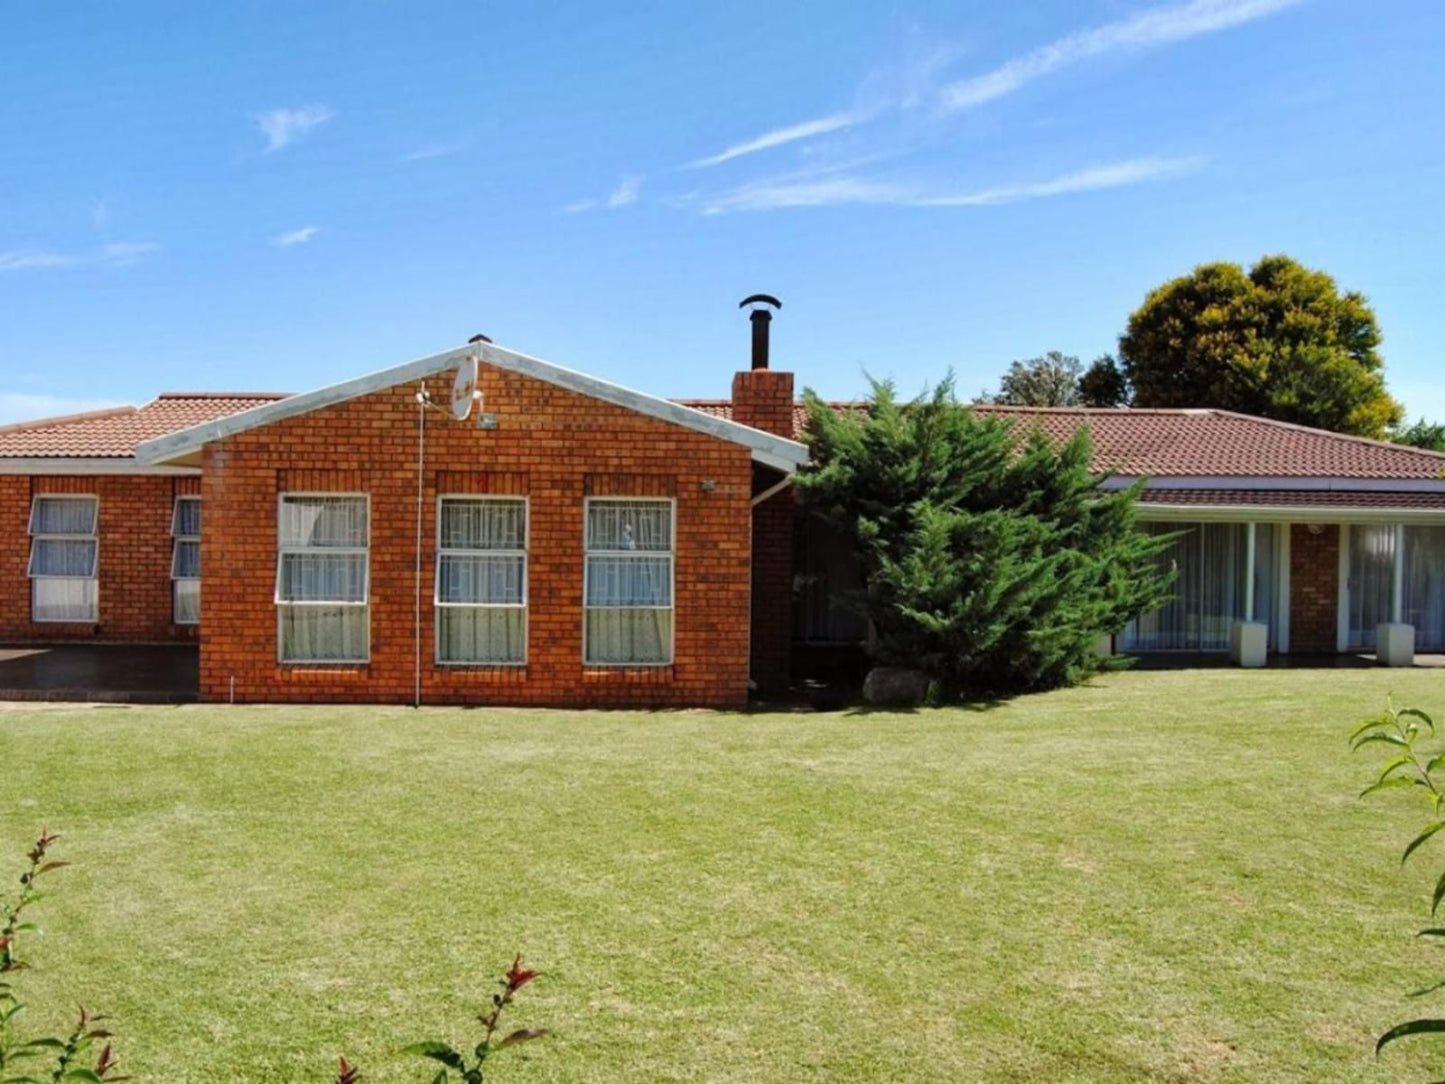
(760, 317)
(478, 339)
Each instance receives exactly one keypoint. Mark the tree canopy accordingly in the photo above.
(1280, 341)
(993, 558)
(1421, 434)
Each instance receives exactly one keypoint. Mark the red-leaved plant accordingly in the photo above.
(472, 1071)
(70, 1054)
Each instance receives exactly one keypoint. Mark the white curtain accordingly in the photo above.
(628, 597)
(322, 579)
(64, 600)
(1209, 590)
(1371, 583)
(481, 584)
(63, 560)
(187, 602)
(186, 520)
(63, 515)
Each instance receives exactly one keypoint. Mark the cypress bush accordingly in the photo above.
(994, 559)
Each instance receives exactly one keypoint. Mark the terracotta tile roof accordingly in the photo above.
(1296, 498)
(113, 434)
(1200, 443)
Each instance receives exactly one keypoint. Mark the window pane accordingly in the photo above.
(629, 581)
(483, 635)
(629, 525)
(470, 578)
(336, 522)
(63, 600)
(63, 515)
(187, 519)
(322, 577)
(187, 602)
(483, 525)
(324, 633)
(62, 557)
(186, 561)
(1372, 565)
(629, 636)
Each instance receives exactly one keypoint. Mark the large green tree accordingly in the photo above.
(1280, 341)
(994, 559)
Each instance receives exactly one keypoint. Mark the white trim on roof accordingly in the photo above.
(773, 451)
(1316, 484)
(41, 464)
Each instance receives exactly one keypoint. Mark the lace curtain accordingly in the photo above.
(628, 598)
(322, 579)
(481, 587)
(1371, 582)
(64, 556)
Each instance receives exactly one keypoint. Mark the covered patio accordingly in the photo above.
(102, 673)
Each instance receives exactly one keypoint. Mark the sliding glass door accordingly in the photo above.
(1371, 579)
(1210, 589)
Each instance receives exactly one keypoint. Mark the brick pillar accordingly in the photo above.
(1314, 586)
(763, 399)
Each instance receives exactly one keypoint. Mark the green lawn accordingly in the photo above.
(1161, 877)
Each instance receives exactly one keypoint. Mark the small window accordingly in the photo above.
(627, 583)
(322, 579)
(186, 561)
(64, 556)
(481, 581)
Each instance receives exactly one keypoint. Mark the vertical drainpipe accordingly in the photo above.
(1250, 551)
(1397, 578)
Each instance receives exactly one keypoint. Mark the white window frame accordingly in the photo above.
(671, 554)
(94, 536)
(176, 539)
(335, 551)
(525, 553)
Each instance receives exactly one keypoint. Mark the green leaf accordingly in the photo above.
(1388, 739)
(440, 1078)
(1413, 1027)
(1387, 784)
(1369, 724)
(441, 1052)
(1427, 989)
(1433, 931)
(1416, 713)
(86, 1075)
(1421, 838)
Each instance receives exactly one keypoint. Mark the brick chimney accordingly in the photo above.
(763, 399)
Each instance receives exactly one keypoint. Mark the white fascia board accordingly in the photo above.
(775, 451)
(53, 465)
(1259, 513)
(1316, 484)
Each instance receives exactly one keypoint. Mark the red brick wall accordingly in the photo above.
(552, 445)
(134, 564)
(763, 399)
(1314, 583)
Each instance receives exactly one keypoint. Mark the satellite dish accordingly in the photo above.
(464, 389)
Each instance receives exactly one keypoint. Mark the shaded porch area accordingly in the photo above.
(103, 673)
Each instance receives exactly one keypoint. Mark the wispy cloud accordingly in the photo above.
(826, 192)
(1116, 175)
(624, 195)
(115, 254)
(780, 136)
(282, 127)
(21, 407)
(296, 237)
(432, 150)
(626, 192)
(1148, 29)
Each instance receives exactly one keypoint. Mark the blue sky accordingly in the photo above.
(279, 196)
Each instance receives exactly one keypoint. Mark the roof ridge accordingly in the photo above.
(221, 395)
(68, 419)
(1316, 431)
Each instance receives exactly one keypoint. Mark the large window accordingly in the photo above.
(1371, 581)
(481, 581)
(627, 582)
(186, 561)
(64, 554)
(1209, 590)
(322, 578)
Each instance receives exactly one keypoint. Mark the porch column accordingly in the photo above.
(1249, 639)
(1395, 641)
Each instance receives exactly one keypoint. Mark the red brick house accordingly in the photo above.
(572, 542)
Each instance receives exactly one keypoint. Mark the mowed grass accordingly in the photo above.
(1159, 877)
